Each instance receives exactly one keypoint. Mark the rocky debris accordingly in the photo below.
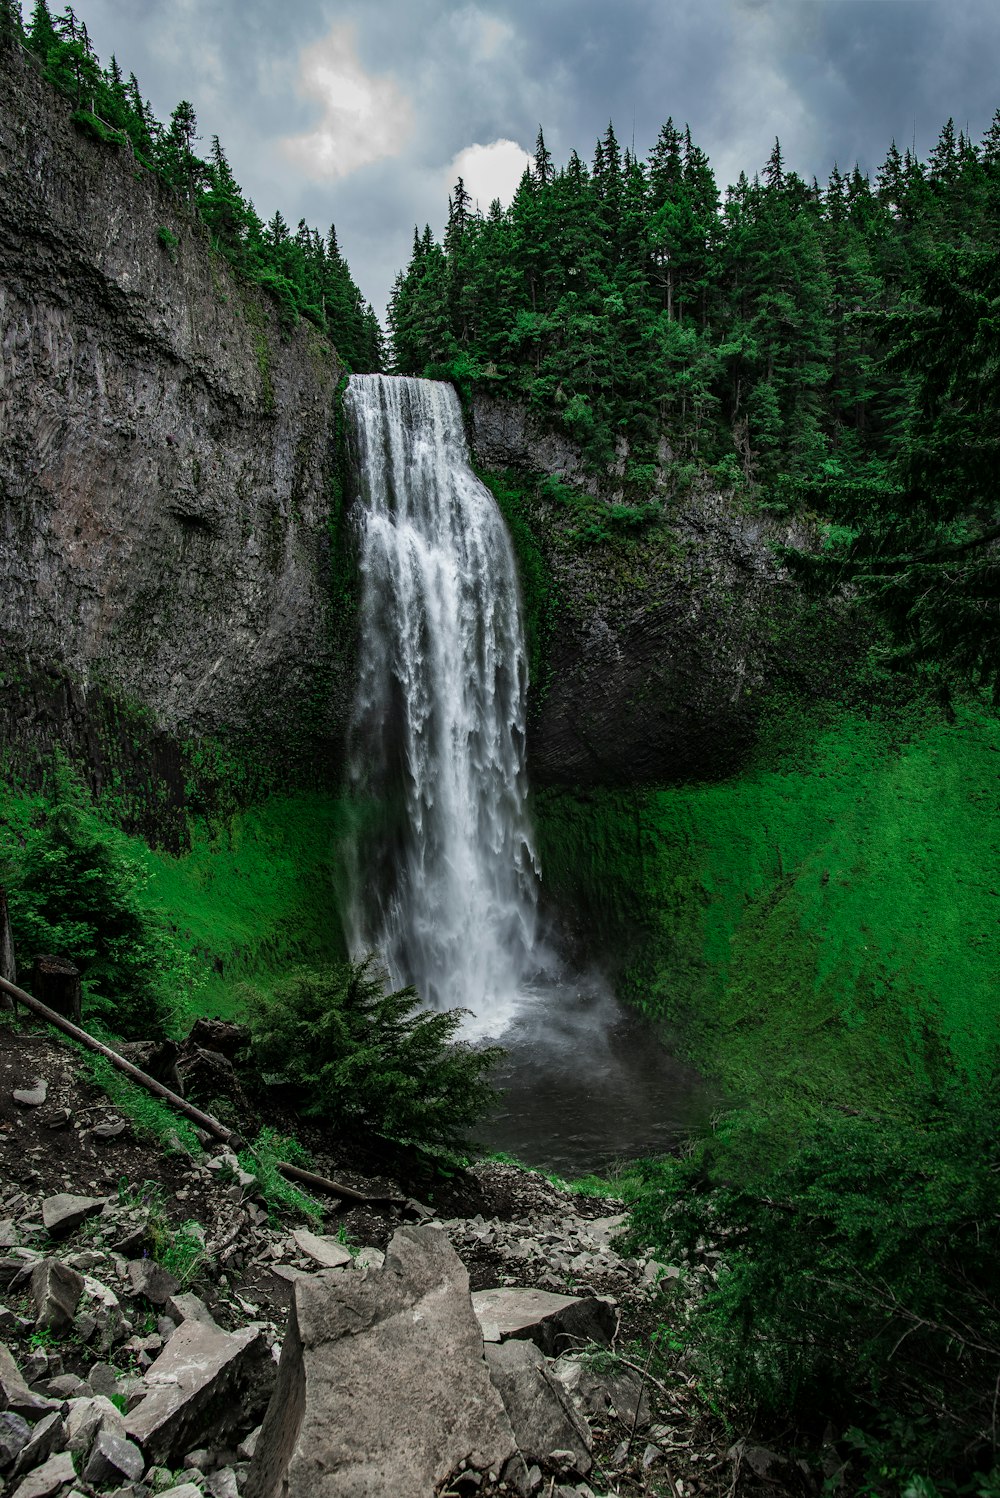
(113, 1460)
(33, 1096)
(554, 1322)
(541, 1414)
(203, 1377)
(382, 1386)
(15, 1394)
(56, 1291)
(15, 1433)
(64, 1212)
(150, 1280)
(47, 1438)
(47, 1479)
(89, 1418)
(329, 1253)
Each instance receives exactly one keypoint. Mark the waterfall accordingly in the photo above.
(444, 873)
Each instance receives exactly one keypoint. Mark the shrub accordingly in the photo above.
(74, 891)
(858, 1275)
(364, 1058)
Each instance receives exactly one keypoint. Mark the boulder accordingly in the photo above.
(55, 1291)
(113, 1460)
(219, 1035)
(382, 1386)
(150, 1280)
(15, 1433)
(188, 1307)
(48, 1437)
(15, 1394)
(47, 1479)
(62, 1213)
(328, 1252)
(541, 1415)
(33, 1096)
(204, 1380)
(89, 1418)
(555, 1323)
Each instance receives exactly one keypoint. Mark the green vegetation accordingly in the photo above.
(78, 889)
(261, 1161)
(856, 1284)
(825, 350)
(151, 1119)
(303, 273)
(363, 1059)
(824, 926)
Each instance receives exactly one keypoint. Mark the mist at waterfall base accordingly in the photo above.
(444, 881)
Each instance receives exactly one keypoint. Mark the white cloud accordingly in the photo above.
(365, 118)
(490, 172)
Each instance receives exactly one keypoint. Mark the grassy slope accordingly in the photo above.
(258, 897)
(825, 928)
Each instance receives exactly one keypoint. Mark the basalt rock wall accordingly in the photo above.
(669, 642)
(167, 472)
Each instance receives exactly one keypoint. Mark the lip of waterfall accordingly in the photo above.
(448, 895)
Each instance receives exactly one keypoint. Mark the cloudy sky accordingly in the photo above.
(363, 112)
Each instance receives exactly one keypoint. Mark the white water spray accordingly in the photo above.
(445, 888)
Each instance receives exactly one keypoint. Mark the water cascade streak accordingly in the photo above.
(445, 877)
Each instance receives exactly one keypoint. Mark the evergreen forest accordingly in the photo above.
(829, 350)
(302, 270)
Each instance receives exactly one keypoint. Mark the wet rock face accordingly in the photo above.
(166, 468)
(658, 654)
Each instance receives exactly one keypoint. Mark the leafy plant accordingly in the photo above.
(857, 1282)
(363, 1058)
(150, 1118)
(75, 890)
(261, 1161)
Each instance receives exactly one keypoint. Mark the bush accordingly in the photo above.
(857, 1282)
(74, 891)
(362, 1058)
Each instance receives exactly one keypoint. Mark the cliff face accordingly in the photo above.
(666, 643)
(167, 465)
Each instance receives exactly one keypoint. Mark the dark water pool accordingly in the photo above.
(587, 1083)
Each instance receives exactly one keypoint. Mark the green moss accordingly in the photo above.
(825, 927)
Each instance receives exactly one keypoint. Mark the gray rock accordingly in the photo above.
(62, 1213)
(593, 1394)
(554, 1322)
(15, 1394)
(48, 1437)
(55, 1291)
(382, 1387)
(33, 1096)
(541, 1414)
(89, 1418)
(150, 1280)
(248, 1445)
(112, 1460)
(184, 1490)
(328, 1252)
(188, 1307)
(47, 1479)
(223, 1484)
(103, 1379)
(369, 1258)
(204, 1379)
(15, 1433)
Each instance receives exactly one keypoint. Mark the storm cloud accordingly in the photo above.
(363, 112)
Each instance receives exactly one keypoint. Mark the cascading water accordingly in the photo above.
(445, 891)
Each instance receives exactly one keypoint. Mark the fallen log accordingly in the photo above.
(203, 1120)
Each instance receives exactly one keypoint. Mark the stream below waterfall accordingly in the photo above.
(444, 880)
